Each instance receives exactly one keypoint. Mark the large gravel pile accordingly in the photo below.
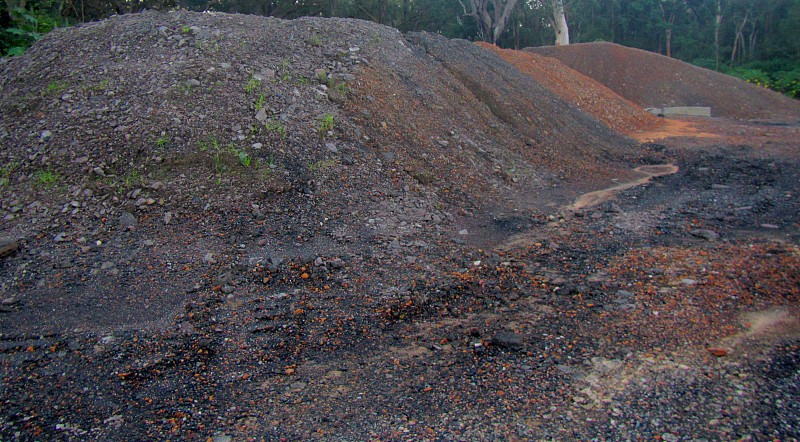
(224, 227)
(653, 80)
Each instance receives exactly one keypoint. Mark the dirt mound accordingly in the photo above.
(583, 92)
(230, 227)
(653, 80)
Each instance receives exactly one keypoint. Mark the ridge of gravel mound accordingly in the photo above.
(653, 80)
(583, 92)
(187, 113)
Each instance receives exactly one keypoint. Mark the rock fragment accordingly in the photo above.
(8, 246)
(507, 340)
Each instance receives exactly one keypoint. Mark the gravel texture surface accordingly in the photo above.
(228, 228)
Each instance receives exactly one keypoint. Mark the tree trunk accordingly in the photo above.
(559, 22)
(739, 40)
(502, 13)
(717, 26)
(752, 39)
(669, 42)
(669, 19)
(490, 29)
(613, 22)
(11, 5)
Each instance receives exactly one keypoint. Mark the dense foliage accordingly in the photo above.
(754, 39)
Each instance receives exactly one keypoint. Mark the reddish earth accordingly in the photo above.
(582, 92)
(232, 228)
(653, 80)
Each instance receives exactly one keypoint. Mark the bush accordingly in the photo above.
(755, 76)
(26, 27)
(782, 75)
(788, 82)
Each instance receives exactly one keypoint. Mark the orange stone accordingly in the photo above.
(718, 352)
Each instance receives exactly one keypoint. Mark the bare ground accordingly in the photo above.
(416, 270)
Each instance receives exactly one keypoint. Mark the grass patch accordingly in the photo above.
(46, 178)
(321, 165)
(5, 173)
(226, 156)
(326, 123)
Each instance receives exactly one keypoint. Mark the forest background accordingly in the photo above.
(757, 40)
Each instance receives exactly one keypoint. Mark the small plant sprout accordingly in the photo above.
(225, 156)
(162, 141)
(133, 178)
(46, 177)
(254, 84)
(54, 87)
(326, 123)
(275, 126)
(5, 173)
(244, 158)
(260, 101)
(321, 165)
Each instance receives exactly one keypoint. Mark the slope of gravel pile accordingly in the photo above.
(653, 80)
(224, 227)
(583, 92)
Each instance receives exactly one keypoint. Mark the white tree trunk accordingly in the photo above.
(501, 15)
(560, 23)
(490, 29)
(717, 26)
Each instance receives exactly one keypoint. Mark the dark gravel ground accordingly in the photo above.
(406, 269)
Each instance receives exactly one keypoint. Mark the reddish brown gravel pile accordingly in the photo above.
(653, 80)
(583, 92)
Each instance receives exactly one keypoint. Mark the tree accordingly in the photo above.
(559, 22)
(717, 27)
(491, 15)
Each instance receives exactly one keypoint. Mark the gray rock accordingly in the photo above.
(60, 237)
(624, 294)
(566, 369)
(224, 278)
(8, 246)
(705, 234)
(46, 135)
(63, 263)
(192, 82)
(507, 340)
(127, 220)
(261, 115)
(186, 328)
